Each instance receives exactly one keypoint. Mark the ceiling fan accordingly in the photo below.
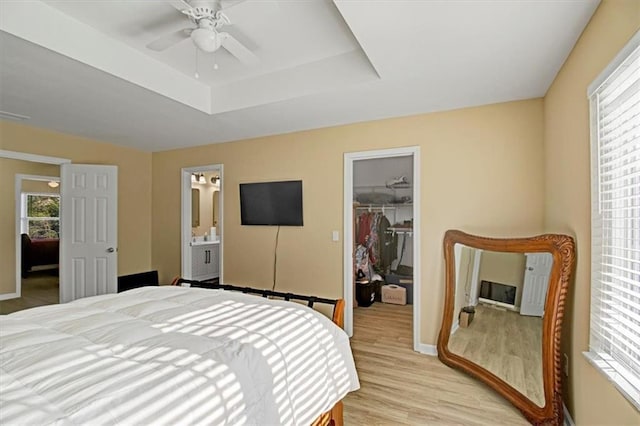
(209, 20)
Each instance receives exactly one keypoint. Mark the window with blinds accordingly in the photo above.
(614, 345)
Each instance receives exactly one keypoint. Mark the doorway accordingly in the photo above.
(31, 175)
(37, 215)
(202, 223)
(105, 181)
(382, 188)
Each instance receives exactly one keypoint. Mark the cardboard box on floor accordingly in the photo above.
(466, 318)
(394, 294)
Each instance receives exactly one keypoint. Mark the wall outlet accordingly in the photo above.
(565, 364)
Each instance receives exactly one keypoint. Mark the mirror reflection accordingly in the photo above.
(195, 208)
(499, 307)
(216, 207)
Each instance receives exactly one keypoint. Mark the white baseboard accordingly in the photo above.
(9, 296)
(423, 348)
(568, 421)
(455, 327)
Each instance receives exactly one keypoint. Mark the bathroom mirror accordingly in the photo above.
(216, 208)
(502, 316)
(195, 207)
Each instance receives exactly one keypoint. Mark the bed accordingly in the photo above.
(38, 252)
(174, 355)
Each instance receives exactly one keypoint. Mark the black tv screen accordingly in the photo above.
(498, 292)
(271, 203)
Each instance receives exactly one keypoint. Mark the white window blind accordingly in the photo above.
(614, 345)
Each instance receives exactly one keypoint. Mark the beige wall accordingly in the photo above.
(503, 268)
(482, 171)
(134, 184)
(590, 397)
(8, 170)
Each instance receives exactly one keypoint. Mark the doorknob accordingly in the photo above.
(529, 268)
(110, 250)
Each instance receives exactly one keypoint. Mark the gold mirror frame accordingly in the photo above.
(562, 248)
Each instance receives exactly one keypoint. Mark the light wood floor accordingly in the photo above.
(402, 387)
(40, 288)
(507, 344)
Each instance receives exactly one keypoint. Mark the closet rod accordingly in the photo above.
(375, 207)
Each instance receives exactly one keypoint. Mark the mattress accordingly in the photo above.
(172, 355)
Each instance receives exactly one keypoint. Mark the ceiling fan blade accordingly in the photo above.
(238, 50)
(240, 36)
(179, 4)
(169, 40)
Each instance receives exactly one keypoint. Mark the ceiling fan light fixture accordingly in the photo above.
(206, 40)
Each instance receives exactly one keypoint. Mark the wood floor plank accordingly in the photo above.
(507, 344)
(402, 387)
(40, 288)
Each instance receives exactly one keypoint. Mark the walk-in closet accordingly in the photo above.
(383, 194)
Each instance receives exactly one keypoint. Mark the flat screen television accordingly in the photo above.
(502, 293)
(271, 203)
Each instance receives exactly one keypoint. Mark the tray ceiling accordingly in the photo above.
(322, 63)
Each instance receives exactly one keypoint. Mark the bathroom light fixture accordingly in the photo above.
(198, 178)
(53, 184)
(215, 179)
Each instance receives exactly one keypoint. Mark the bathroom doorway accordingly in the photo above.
(202, 223)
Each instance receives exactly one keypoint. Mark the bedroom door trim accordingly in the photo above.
(34, 158)
(185, 220)
(348, 295)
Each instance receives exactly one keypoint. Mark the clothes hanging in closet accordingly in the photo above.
(388, 249)
(381, 244)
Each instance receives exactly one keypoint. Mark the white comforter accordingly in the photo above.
(171, 355)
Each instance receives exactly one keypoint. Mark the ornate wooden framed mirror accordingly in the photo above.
(502, 317)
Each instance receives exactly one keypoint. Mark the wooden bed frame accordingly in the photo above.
(332, 417)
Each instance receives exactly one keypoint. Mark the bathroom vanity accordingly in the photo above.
(205, 260)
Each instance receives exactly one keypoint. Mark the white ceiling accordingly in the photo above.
(81, 67)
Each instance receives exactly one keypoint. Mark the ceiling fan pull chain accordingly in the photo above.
(197, 75)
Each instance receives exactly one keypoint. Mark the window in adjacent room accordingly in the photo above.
(614, 345)
(40, 216)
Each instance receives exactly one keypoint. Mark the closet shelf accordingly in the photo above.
(364, 206)
(401, 230)
(397, 186)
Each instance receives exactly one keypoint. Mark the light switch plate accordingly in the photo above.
(335, 236)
